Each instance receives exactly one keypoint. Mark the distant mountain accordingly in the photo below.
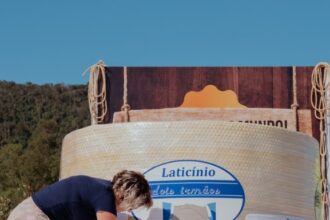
(33, 121)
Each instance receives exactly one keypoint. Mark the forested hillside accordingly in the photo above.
(33, 121)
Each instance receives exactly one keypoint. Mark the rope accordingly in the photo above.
(97, 97)
(294, 105)
(125, 107)
(319, 91)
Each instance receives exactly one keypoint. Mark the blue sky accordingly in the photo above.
(45, 41)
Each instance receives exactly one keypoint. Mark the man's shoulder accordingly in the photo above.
(82, 178)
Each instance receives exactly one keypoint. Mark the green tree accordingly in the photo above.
(33, 121)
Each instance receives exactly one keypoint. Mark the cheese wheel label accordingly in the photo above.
(194, 190)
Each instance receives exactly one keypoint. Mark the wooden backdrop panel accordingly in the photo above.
(165, 87)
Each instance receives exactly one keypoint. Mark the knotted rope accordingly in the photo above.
(320, 88)
(125, 107)
(97, 96)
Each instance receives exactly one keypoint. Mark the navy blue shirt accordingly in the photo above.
(76, 198)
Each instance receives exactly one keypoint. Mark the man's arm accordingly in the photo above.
(104, 215)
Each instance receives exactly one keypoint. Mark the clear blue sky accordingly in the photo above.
(46, 41)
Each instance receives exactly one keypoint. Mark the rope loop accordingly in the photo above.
(323, 151)
(294, 106)
(320, 88)
(97, 95)
(126, 107)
